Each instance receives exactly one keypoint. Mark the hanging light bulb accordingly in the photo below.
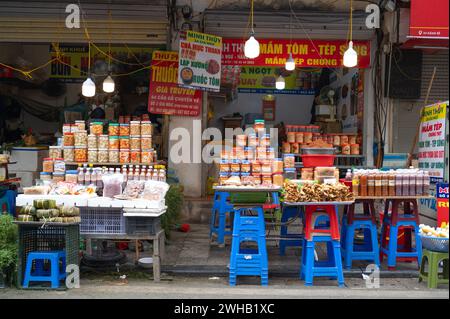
(280, 84)
(251, 48)
(350, 56)
(88, 88)
(108, 84)
(290, 63)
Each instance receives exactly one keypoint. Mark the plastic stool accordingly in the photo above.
(53, 276)
(292, 240)
(433, 277)
(221, 207)
(332, 267)
(249, 262)
(313, 212)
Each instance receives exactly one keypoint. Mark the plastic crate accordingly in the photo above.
(102, 220)
(144, 226)
(34, 237)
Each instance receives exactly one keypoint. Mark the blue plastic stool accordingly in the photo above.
(392, 249)
(249, 262)
(221, 207)
(292, 239)
(332, 267)
(54, 275)
(368, 250)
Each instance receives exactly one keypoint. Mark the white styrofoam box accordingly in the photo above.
(117, 203)
(67, 200)
(28, 158)
(26, 178)
(323, 110)
(139, 212)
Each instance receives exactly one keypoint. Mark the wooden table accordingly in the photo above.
(158, 246)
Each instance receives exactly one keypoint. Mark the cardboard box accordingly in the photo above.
(330, 127)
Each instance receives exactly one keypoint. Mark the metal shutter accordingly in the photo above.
(133, 22)
(439, 90)
(276, 24)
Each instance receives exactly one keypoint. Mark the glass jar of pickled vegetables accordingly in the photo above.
(135, 128)
(291, 136)
(299, 137)
(124, 142)
(241, 140)
(352, 139)
(277, 165)
(69, 139)
(256, 167)
(277, 179)
(81, 125)
(103, 141)
(265, 140)
(92, 141)
(135, 142)
(270, 153)
(59, 165)
(224, 166)
(252, 140)
(295, 148)
(235, 166)
(146, 156)
(69, 153)
(307, 137)
(266, 179)
(80, 154)
(47, 165)
(124, 129)
(256, 178)
(245, 166)
(259, 125)
(354, 149)
(146, 142)
(249, 153)
(135, 155)
(96, 128)
(113, 129)
(92, 155)
(54, 151)
(59, 177)
(261, 152)
(246, 179)
(286, 147)
(103, 155)
(345, 149)
(124, 156)
(80, 138)
(113, 155)
(289, 160)
(113, 142)
(71, 176)
(336, 140)
(146, 128)
(239, 152)
(223, 177)
(344, 139)
(266, 167)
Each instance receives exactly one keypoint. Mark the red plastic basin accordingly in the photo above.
(314, 160)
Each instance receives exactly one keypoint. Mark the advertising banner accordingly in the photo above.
(200, 61)
(429, 19)
(306, 53)
(442, 203)
(165, 96)
(76, 59)
(254, 79)
(432, 140)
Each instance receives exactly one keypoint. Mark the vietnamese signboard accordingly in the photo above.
(429, 19)
(255, 79)
(306, 53)
(442, 203)
(165, 96)
(432, 140)
(200, 61)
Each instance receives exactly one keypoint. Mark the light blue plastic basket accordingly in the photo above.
(432, 243)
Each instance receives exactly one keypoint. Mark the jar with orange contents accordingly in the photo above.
(124, 129)
(266, 179)
(299, 137)
(354, 149)
(135, 156)
(80, 154)
(124, 142)
(146, 156)
(286, 147)
(307, 137)
(96, 128)
(278, 179)
(135, 142)
(352, 139)
(146, 142)
(135, 128)
(256, 167)
(344, 139)
(277, 165)
(291, 137)
(261, 152)
(47, 165)
(252, 140)
(146, 128)
(256, 178)
(113, 129)
(68, 139)
(113, 142)
(124, 156)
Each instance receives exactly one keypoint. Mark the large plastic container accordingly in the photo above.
(310, 160)
(100, 220)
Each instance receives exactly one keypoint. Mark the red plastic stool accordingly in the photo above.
(313, 212)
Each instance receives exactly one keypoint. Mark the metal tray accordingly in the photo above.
(317, 150)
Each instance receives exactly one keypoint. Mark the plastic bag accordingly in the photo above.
(154, 190)
(134, 189)
(112, 185)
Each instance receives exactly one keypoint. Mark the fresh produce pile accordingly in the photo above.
(311, 192)
(434, 232)
(46, 210)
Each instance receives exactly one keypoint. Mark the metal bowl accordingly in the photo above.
(317, 150)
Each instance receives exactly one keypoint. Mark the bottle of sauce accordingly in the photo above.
(378, 185)
(426, 183)
(398, 184)
(87, 177)
(80, 176)
(391, 184)
(148, 176)
(355, 184)
(371, 185)
(384, 185)
(363, 185)
(405, 184)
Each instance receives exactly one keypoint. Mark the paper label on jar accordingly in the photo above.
(329, 181)
(378, 183)
(391, 182)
